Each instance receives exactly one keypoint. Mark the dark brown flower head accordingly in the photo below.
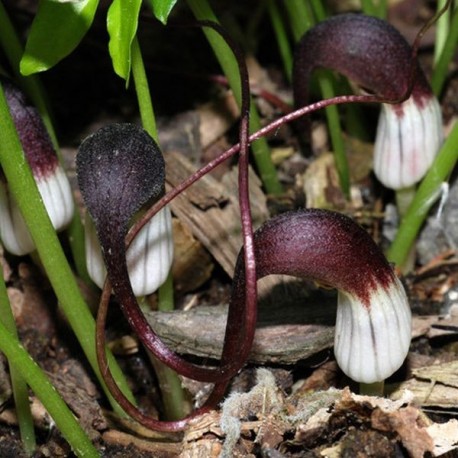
(120, 168)
(32, 133)
(373, 54)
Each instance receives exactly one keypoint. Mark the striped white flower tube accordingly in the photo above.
(50, 177)
(149, 257)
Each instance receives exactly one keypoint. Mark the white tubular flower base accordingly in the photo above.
(149, 257)
(57, 198)
(371, 342)
(408, 139)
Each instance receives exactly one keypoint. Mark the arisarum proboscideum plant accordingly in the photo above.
(49, 175)
(373, 326)
(120, 169)
(374, 55)
(121, 139)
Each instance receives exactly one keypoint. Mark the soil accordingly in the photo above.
(305, 408)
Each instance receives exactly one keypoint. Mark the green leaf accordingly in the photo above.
(56, 31)
(122, 22)
(162, 9)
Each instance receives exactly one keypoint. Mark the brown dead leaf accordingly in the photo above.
(391, 417)
(408, 423)
(217, 117)
(429, 394)
(210, 209)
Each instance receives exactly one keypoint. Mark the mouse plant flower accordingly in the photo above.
(373, 326)
(49, 175)
(120, 169)
(374, 55)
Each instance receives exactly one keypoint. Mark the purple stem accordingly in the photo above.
(274, 125)
(238, 338)
(127, 406)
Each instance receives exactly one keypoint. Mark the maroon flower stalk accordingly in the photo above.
(120, 168)
(373, 327)
(374, 55)
(50, 178)
(238, 341)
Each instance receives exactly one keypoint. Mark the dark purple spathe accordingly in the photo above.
(368, 50)
(32, 132)
(325, 246)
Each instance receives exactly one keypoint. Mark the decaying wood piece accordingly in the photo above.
(210, 208)
(433, 386)
(200, 332)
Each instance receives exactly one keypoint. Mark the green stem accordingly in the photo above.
(372, 8)
(142, 90)
(404, 198)
(169, 382)
(337, 140)
(34, 89)
(369, 8)
(173, 396)
(425, 197)
(300, 17)
(75, 234)
(448, 50)
(172, 391)
(372, 389)
(20, 389)
(261, 151)
(442, 30)
(383, 9)
(23, 187)
(281, 37)
(166, 299)
(41, 386)
(318, 9)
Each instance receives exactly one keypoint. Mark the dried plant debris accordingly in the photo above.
(440, 232)
(332, 423)
(210, 209)
(433, 386)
